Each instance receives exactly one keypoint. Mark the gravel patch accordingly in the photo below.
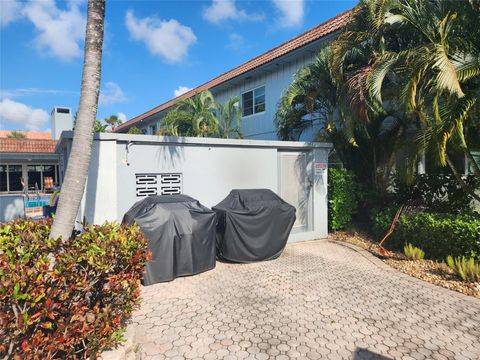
(434, 272)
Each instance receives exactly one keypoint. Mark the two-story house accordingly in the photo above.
(259, 83)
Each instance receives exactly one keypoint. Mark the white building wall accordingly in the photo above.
(210, 169)
(99, 203)
(261, 126)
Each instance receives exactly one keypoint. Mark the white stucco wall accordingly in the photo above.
(275, 76)
(11, 207)
(210, 169)
(261, 126)
(99, 202)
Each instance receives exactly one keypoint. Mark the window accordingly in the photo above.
(152, 129)
(14, 177)
(49, 173)
(35, 176)
(3, 178)
(39, 177)
(253, 101)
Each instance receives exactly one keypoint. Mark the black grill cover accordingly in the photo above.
(253, 225)
(180, 233)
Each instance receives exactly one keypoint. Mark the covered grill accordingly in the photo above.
(180, 233)
(253, 225)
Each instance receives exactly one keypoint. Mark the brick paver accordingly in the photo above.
(319, 300)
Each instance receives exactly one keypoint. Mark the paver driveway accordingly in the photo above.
(318, 300)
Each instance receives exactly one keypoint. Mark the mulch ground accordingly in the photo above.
(434, 272)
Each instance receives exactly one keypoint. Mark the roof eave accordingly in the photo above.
(205, 86)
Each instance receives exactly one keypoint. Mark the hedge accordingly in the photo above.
(66, 300)
(438, 193)
(342, 199)
(439, 235)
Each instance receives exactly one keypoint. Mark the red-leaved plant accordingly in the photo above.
(75, 308)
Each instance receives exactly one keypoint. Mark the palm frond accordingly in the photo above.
(468, 67)
(447, 75)
(376, 77)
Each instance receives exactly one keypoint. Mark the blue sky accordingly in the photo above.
(152, 50)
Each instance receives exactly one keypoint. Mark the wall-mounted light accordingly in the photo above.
(127, 150)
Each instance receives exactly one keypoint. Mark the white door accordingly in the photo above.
(296, 186)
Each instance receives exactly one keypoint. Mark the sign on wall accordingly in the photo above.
(33, 206)
(319, 168)
(150, 184)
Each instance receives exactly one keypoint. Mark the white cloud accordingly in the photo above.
(227, 10)
(122, 116)
(291, 12)
(181, 90)
(111, 94)
(13, 93)
(10, 10)
(236, 41)
(60, 32)
(167, 38)
(20, 114)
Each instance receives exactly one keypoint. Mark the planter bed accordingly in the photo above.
(434, 272)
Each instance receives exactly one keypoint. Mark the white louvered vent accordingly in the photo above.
(158, 184)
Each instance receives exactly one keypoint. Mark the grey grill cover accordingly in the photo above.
(180, 233)
(253, 225)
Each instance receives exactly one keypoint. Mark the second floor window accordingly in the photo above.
(253, 101)
(152, 129)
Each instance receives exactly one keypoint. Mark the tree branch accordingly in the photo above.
(462, 183)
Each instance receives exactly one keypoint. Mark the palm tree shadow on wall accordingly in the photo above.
(361, 354)
(170, 152)
(91, 187)
(305, 180)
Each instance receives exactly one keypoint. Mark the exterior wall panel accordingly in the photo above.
(208, 168)
(261, 126)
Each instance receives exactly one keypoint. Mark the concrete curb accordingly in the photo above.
(129, 350)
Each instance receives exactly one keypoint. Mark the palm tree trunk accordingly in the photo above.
(462, 183)
(77, 170)
(475, 167)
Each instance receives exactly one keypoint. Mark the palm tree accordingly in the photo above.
(16, 135)
(134, 130)
(98, 127)
(79, 160)
(333, 91)
(438, 73)
(230, 119)
(376, 131)
(194, 116)
(113, 121)
(309, 99)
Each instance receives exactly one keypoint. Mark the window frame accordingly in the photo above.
(152, 129)
(252, 90)
(25, 175)
(8, 178)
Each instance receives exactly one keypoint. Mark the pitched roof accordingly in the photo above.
(297, 42)
(27, 146)
(28, 134)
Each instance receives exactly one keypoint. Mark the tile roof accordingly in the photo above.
(297, 42)
(27, 146)
(28, 134)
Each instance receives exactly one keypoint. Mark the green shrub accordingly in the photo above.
(413, 253)
(66, 300)
(436, 193)
(439, 235)
(467, 269)
(342, 198)
(381, 221)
